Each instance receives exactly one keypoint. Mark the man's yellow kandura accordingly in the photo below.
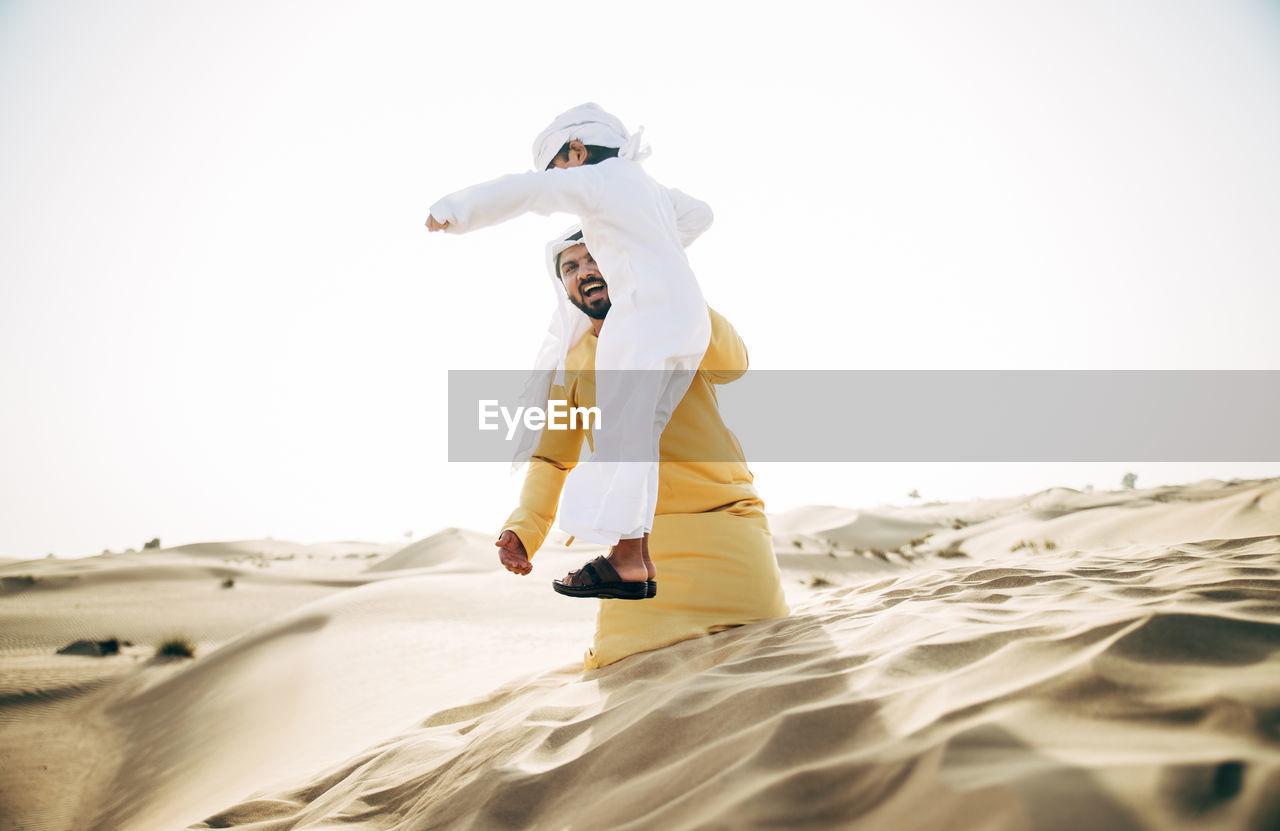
(710, 539)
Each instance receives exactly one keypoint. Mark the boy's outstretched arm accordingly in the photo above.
(575, 190)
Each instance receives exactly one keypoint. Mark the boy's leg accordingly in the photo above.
(629, 557)
(624, 553)
(650, 568)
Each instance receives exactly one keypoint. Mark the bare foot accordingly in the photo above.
(628, 559)
(648, 564)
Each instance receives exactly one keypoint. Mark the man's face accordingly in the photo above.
(583, 283)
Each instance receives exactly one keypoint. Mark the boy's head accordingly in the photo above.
(574, 153)
(585, 134)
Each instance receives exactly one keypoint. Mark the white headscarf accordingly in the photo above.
(589, 124)
(568, 325)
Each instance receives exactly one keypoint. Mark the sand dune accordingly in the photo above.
(848, 529)
(454, 549)
(1161, 516)
(1123, 678)
(143, 598)
(318, 684)
(1117, 690)
(282, 549)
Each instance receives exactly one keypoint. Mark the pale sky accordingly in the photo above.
(221, 317)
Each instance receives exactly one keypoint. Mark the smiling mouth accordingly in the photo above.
(592, 289)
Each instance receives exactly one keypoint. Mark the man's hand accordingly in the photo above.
(512, 554)
(434, 224)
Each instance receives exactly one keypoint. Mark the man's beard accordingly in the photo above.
(594, 311)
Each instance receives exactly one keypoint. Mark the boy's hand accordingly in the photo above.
(434, 224)
(512, 554)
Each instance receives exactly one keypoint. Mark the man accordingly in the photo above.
(710, 538)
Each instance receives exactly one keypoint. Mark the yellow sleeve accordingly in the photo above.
(726, 356)
(556, 454)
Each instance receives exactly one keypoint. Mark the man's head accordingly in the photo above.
(582, 281)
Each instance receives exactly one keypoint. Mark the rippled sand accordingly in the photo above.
(1130, 689)
(1105, 677)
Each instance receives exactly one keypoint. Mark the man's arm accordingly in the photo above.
(556, 454)
(726, 356)
(574, 190)
(693, 216)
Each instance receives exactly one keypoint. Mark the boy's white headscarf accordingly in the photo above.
(568, 325)
(589, 124)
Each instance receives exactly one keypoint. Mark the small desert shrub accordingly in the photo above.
(17, 583)
(177, 647)
(154, 543)
(229, 583)
(1033, 546)
(819, 582)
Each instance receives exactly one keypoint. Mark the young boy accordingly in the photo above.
(587, 164)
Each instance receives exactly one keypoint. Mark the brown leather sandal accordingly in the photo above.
(598, 579)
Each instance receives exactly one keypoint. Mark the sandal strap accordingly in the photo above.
(595, 573)
(603, 571)
(598, 572)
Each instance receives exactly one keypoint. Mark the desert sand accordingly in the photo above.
(1062, 660)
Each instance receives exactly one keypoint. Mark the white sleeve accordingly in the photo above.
(693, 216)
(575, 190)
